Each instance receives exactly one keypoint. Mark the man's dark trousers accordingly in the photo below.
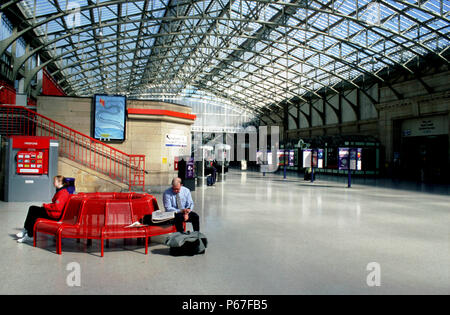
(193, 218)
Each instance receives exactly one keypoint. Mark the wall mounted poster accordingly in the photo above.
(343, 158)
(109, 117)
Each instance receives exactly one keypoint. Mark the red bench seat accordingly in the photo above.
(103, 216)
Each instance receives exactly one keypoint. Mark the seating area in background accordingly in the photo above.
(103, 216)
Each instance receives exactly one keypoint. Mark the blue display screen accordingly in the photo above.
(109, 119)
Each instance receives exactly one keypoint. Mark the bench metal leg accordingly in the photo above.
(146, 245)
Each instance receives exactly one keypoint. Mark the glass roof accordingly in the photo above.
(251, 53)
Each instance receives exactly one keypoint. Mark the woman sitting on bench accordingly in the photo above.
(51, 211)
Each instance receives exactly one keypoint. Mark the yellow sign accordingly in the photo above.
(164, 160)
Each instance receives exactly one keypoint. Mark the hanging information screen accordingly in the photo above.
(109, 119)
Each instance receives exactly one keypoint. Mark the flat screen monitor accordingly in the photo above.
(109, 117)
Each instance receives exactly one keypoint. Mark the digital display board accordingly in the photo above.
(109, 117)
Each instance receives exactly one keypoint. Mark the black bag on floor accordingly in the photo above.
(187, 244)
(187, 249)
(209, 181)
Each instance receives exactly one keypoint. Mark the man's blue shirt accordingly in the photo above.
(170, 199)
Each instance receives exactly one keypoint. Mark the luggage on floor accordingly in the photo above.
(187, 244)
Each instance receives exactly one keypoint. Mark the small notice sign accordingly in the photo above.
(173, 140)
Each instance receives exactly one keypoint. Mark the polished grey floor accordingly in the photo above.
(267, 235)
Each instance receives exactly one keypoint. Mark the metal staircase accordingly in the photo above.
(94, 154)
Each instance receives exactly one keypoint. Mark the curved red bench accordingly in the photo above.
(103, 216)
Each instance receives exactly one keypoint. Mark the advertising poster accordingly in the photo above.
(343, 160)
(314, 158)
(280, 155)
(307, 158)
(109, 117)
(320, 158)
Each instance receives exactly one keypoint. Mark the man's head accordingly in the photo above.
(176, 185)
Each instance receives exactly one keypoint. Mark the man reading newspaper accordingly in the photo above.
(179, 200)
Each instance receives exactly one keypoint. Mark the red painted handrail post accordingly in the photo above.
(143, 173)
(90, 155)
(110, 161)
(129, 177)
(115, 163)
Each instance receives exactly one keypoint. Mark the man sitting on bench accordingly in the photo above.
(178, 198)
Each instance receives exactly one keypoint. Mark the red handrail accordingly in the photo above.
(92, 153)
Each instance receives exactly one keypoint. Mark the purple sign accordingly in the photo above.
(190, 169)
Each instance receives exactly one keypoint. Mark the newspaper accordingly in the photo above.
(136, 225)
(159, 216)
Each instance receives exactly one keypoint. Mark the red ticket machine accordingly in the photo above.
(31, 164)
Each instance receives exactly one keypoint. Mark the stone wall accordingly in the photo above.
(87, 180)
(145, 134)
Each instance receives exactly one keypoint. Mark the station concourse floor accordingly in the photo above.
(267, 235)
